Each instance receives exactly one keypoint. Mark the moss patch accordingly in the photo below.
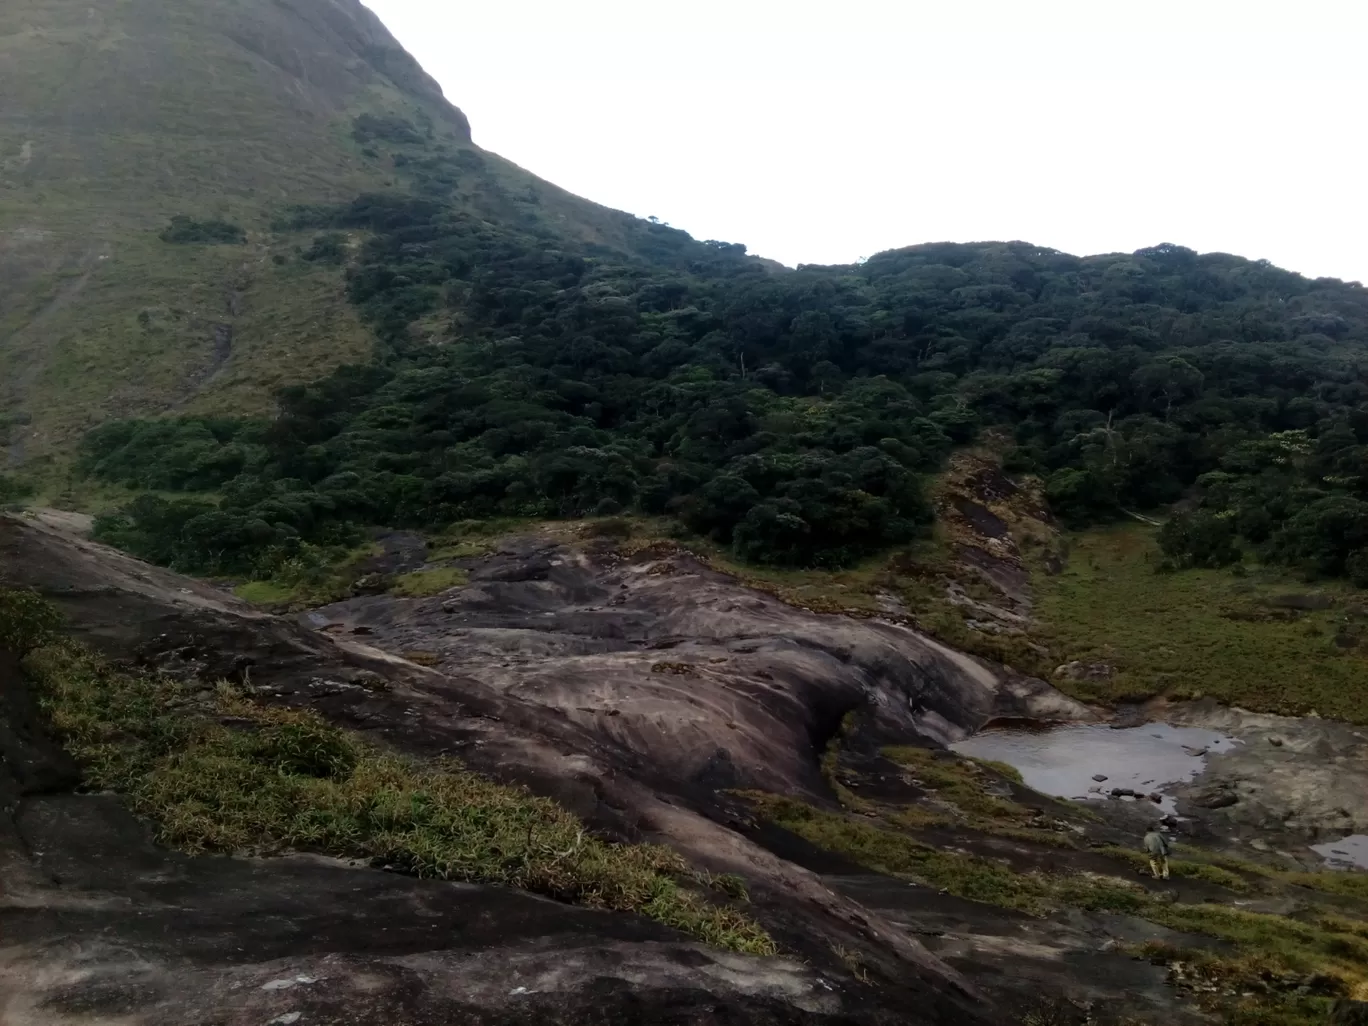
(265, 593)
(425, 583)
(319, 576)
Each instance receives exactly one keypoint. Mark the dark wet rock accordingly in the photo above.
(1217, 797)
(1020, 958)
(161, 939)
(371, 584)
(371, 680)
(1346, 1012)
(1276, 742)
(1099, 777)
(1311, 602)
(399, 552)
(981, 518)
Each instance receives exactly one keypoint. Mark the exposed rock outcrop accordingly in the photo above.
(89, 903)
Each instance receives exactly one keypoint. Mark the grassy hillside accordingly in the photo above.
(116, 117)
(1259, 637)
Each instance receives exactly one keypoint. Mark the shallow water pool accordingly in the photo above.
(1348, 853)
(1064, 760)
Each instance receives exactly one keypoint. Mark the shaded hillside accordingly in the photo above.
(788, 416)
(115, 118)
(208, 208)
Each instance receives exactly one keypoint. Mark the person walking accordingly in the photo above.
(1157, 847)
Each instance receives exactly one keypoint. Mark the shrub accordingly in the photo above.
(185, 230)
(26, 620)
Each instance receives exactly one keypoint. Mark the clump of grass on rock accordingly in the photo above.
(280, 780)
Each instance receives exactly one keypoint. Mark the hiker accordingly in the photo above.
(1157, 847)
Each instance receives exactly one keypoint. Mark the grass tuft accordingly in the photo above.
(1183, 868)
(282, 780)
(426, 583)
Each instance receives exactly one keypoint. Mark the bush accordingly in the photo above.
(13, 489)
(389, 127)
(327, 248)
(27, 620)
(1200, 539)
(185, 230)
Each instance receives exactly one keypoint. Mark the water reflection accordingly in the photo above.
(1348, 853)
(1067, 760)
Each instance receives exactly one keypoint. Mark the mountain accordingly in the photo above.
(264, 220)
(116, 118)
(587, 621)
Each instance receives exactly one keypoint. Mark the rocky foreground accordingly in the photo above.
(658, 701)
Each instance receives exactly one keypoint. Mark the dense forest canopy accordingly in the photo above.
(791, 414)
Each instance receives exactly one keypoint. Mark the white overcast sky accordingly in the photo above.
(825, 132)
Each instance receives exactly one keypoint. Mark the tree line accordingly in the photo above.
(790, 414)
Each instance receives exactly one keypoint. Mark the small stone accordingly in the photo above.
(287, 1019)
(1276, 742)
(1155, 797)
(1099, 777)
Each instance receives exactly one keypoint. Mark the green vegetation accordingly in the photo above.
(13, 489)
(1256, 640)
(101, 319)
(423, 583)
(538, 357)
(787, 417)
(1183, 869)
(26, 620)
(1293, 497)
(184, 230)
(960, 782)
(265, 593)
(967, 876)
(283, 780)
(1281, 970)
(959, 791)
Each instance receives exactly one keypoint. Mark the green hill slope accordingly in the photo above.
(262, 218)
(117, 117)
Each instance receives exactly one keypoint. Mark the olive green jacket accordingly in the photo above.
(1156, 843)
